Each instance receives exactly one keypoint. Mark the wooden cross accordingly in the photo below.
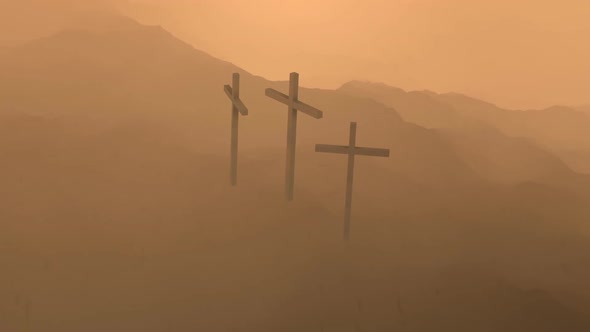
(233, 92)
(351, 150)
(294, 105)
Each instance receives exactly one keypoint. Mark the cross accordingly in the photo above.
(233, 92)
(294, 105)
(351, 150)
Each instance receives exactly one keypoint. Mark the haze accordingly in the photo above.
(117, 213)
(519, 54)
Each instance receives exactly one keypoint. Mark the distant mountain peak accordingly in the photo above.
(100, 37)
(373, 87)
(105, 31)
(88, 26)
(463, 98)
(381, 88)
(103, 21)
(429, 93)
(560, 108)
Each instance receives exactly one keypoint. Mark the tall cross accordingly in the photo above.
(294, 105)
(233, 92)
(351, 150)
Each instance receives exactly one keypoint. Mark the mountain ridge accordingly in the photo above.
(559, 129)
(115, 154)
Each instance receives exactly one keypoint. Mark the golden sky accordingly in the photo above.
(518, 54)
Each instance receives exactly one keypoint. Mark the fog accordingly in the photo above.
(117, 214)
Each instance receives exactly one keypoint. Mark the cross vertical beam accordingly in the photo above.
(291, 136)
(238, 108)
(349, 178)
(294, 106)
(234, 130)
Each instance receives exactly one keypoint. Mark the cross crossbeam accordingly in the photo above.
(343, 149)
(294, 105)
(351, 150)
(238, 107)
(283, 98)
(229, 91)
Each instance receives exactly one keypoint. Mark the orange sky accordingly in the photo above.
(519, 53)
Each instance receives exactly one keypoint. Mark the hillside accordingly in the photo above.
(117, 214)
(559, 130)
(495, 153)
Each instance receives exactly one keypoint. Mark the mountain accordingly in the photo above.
(80, 73)
(116, 208)
(488, 149)
(416, 107)
(559, 130)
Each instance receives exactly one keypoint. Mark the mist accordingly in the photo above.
(116, 207)
(521, 55)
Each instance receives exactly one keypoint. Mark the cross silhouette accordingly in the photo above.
(294, 105)
(351, 150)
(238, 107)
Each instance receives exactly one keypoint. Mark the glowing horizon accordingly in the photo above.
(518, 55)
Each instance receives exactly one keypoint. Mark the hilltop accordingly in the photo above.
(116, 208)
